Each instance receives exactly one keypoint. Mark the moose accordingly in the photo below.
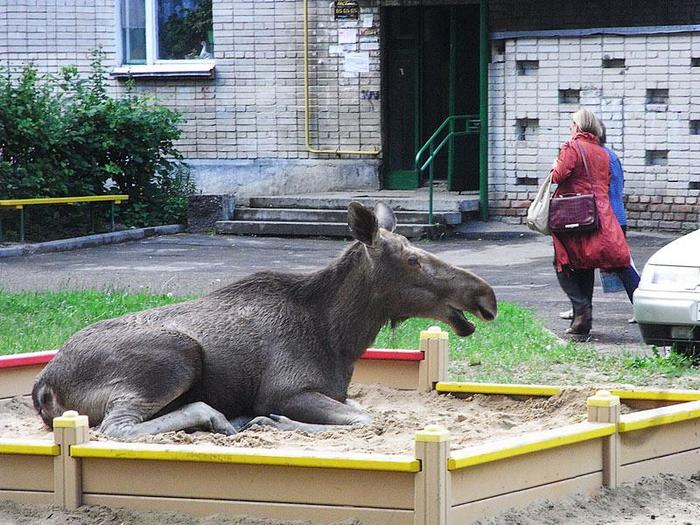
(272, 348)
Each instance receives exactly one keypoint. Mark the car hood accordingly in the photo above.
(684, 251)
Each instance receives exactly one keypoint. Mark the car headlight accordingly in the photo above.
(671, 278)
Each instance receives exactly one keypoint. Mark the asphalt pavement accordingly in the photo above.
(515, 261)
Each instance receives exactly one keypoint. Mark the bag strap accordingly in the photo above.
(585, 164)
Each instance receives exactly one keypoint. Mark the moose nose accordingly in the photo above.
(486, 303)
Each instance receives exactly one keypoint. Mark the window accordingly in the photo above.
(153, 31)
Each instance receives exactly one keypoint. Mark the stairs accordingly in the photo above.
(325, 215)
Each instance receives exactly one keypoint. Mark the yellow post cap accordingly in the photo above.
(70, 419)
(434, 332)
(603, 398)
(433, 434)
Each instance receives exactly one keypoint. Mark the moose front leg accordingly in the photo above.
(308, 412)
(317, 408)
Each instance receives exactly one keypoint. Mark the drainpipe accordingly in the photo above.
(484, 110)
(307, 102)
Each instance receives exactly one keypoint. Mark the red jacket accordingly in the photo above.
(606, 247)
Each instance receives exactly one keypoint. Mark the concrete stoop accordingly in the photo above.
(325, 215)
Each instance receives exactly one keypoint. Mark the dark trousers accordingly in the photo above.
(578, 286)
(629, 278)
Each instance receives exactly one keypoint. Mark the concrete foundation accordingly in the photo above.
(279, 177)
(203, 211)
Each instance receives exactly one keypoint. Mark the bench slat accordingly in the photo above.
(63, 200)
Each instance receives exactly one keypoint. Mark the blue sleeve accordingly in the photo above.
(617, 183)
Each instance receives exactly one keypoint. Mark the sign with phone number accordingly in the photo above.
(347, 9)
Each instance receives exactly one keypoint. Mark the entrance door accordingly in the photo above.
(431, 71)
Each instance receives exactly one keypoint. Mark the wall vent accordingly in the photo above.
(569, 96)
(695, 127)
(656, 157)
(657, 96)
(526, 128)
(527, 68)
(527, 181)
(694, 185)
(695, 62)
(613, 63)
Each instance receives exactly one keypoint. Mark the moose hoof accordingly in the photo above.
(262, 421)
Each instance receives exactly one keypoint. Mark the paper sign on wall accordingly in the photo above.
(357, 62)
(347, 36)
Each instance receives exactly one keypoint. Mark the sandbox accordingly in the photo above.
(436, 480)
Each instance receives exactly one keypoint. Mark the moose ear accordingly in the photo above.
(385, 216)
(363, 223)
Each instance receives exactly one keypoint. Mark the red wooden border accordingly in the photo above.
(35, 358)
(39, 358)
(393, 355)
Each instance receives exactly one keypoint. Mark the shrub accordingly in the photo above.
(65, 136)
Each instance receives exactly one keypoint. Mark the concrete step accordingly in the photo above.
(323, 215)
(313, 229)
(465, 203)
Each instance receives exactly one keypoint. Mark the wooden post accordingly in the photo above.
(433, 368)
(432, 489)
(604, 407)
(69, 429)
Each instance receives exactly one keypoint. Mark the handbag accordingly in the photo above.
(538, 212)
(574, 213)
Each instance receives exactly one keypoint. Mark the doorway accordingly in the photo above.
(431, 71)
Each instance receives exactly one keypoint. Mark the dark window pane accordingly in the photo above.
(133, 14)
(185, 29)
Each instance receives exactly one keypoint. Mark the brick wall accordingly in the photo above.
(54, 33)
(512, 15)
(647, 103)
(253, 110)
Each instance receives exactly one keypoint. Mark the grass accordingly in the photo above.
(515, 348)
(30, 322)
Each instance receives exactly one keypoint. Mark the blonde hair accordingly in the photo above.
(587, 121)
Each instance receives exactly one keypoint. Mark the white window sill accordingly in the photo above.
(189, 69)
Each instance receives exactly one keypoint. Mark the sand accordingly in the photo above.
(397, 415)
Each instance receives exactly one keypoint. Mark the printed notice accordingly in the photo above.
(367, 20)
(357, 62)
(347, 36)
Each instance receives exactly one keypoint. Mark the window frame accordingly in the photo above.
(155, 66)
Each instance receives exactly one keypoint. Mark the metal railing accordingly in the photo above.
(453, 126)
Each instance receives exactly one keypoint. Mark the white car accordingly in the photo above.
(667, 302)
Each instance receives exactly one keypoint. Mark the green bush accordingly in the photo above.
(65, 136)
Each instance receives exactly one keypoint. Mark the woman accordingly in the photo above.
(577, 255)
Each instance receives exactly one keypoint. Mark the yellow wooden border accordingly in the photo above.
(659, 416)
(528, 443)
(659, 395)
(63, 200)
(213, 454)
(497, 388)
(29, 447)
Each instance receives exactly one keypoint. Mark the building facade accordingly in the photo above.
(292, 96)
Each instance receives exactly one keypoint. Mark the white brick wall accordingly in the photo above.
(254, 107)
(618, 96)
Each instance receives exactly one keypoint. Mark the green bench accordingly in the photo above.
(20, 204)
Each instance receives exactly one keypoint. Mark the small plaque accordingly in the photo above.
(347, 10)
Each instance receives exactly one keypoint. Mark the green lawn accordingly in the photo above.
(516, 348)
(30, 322)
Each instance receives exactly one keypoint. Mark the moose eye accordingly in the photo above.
(413, 260)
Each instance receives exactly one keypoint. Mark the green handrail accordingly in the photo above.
(457, 126)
